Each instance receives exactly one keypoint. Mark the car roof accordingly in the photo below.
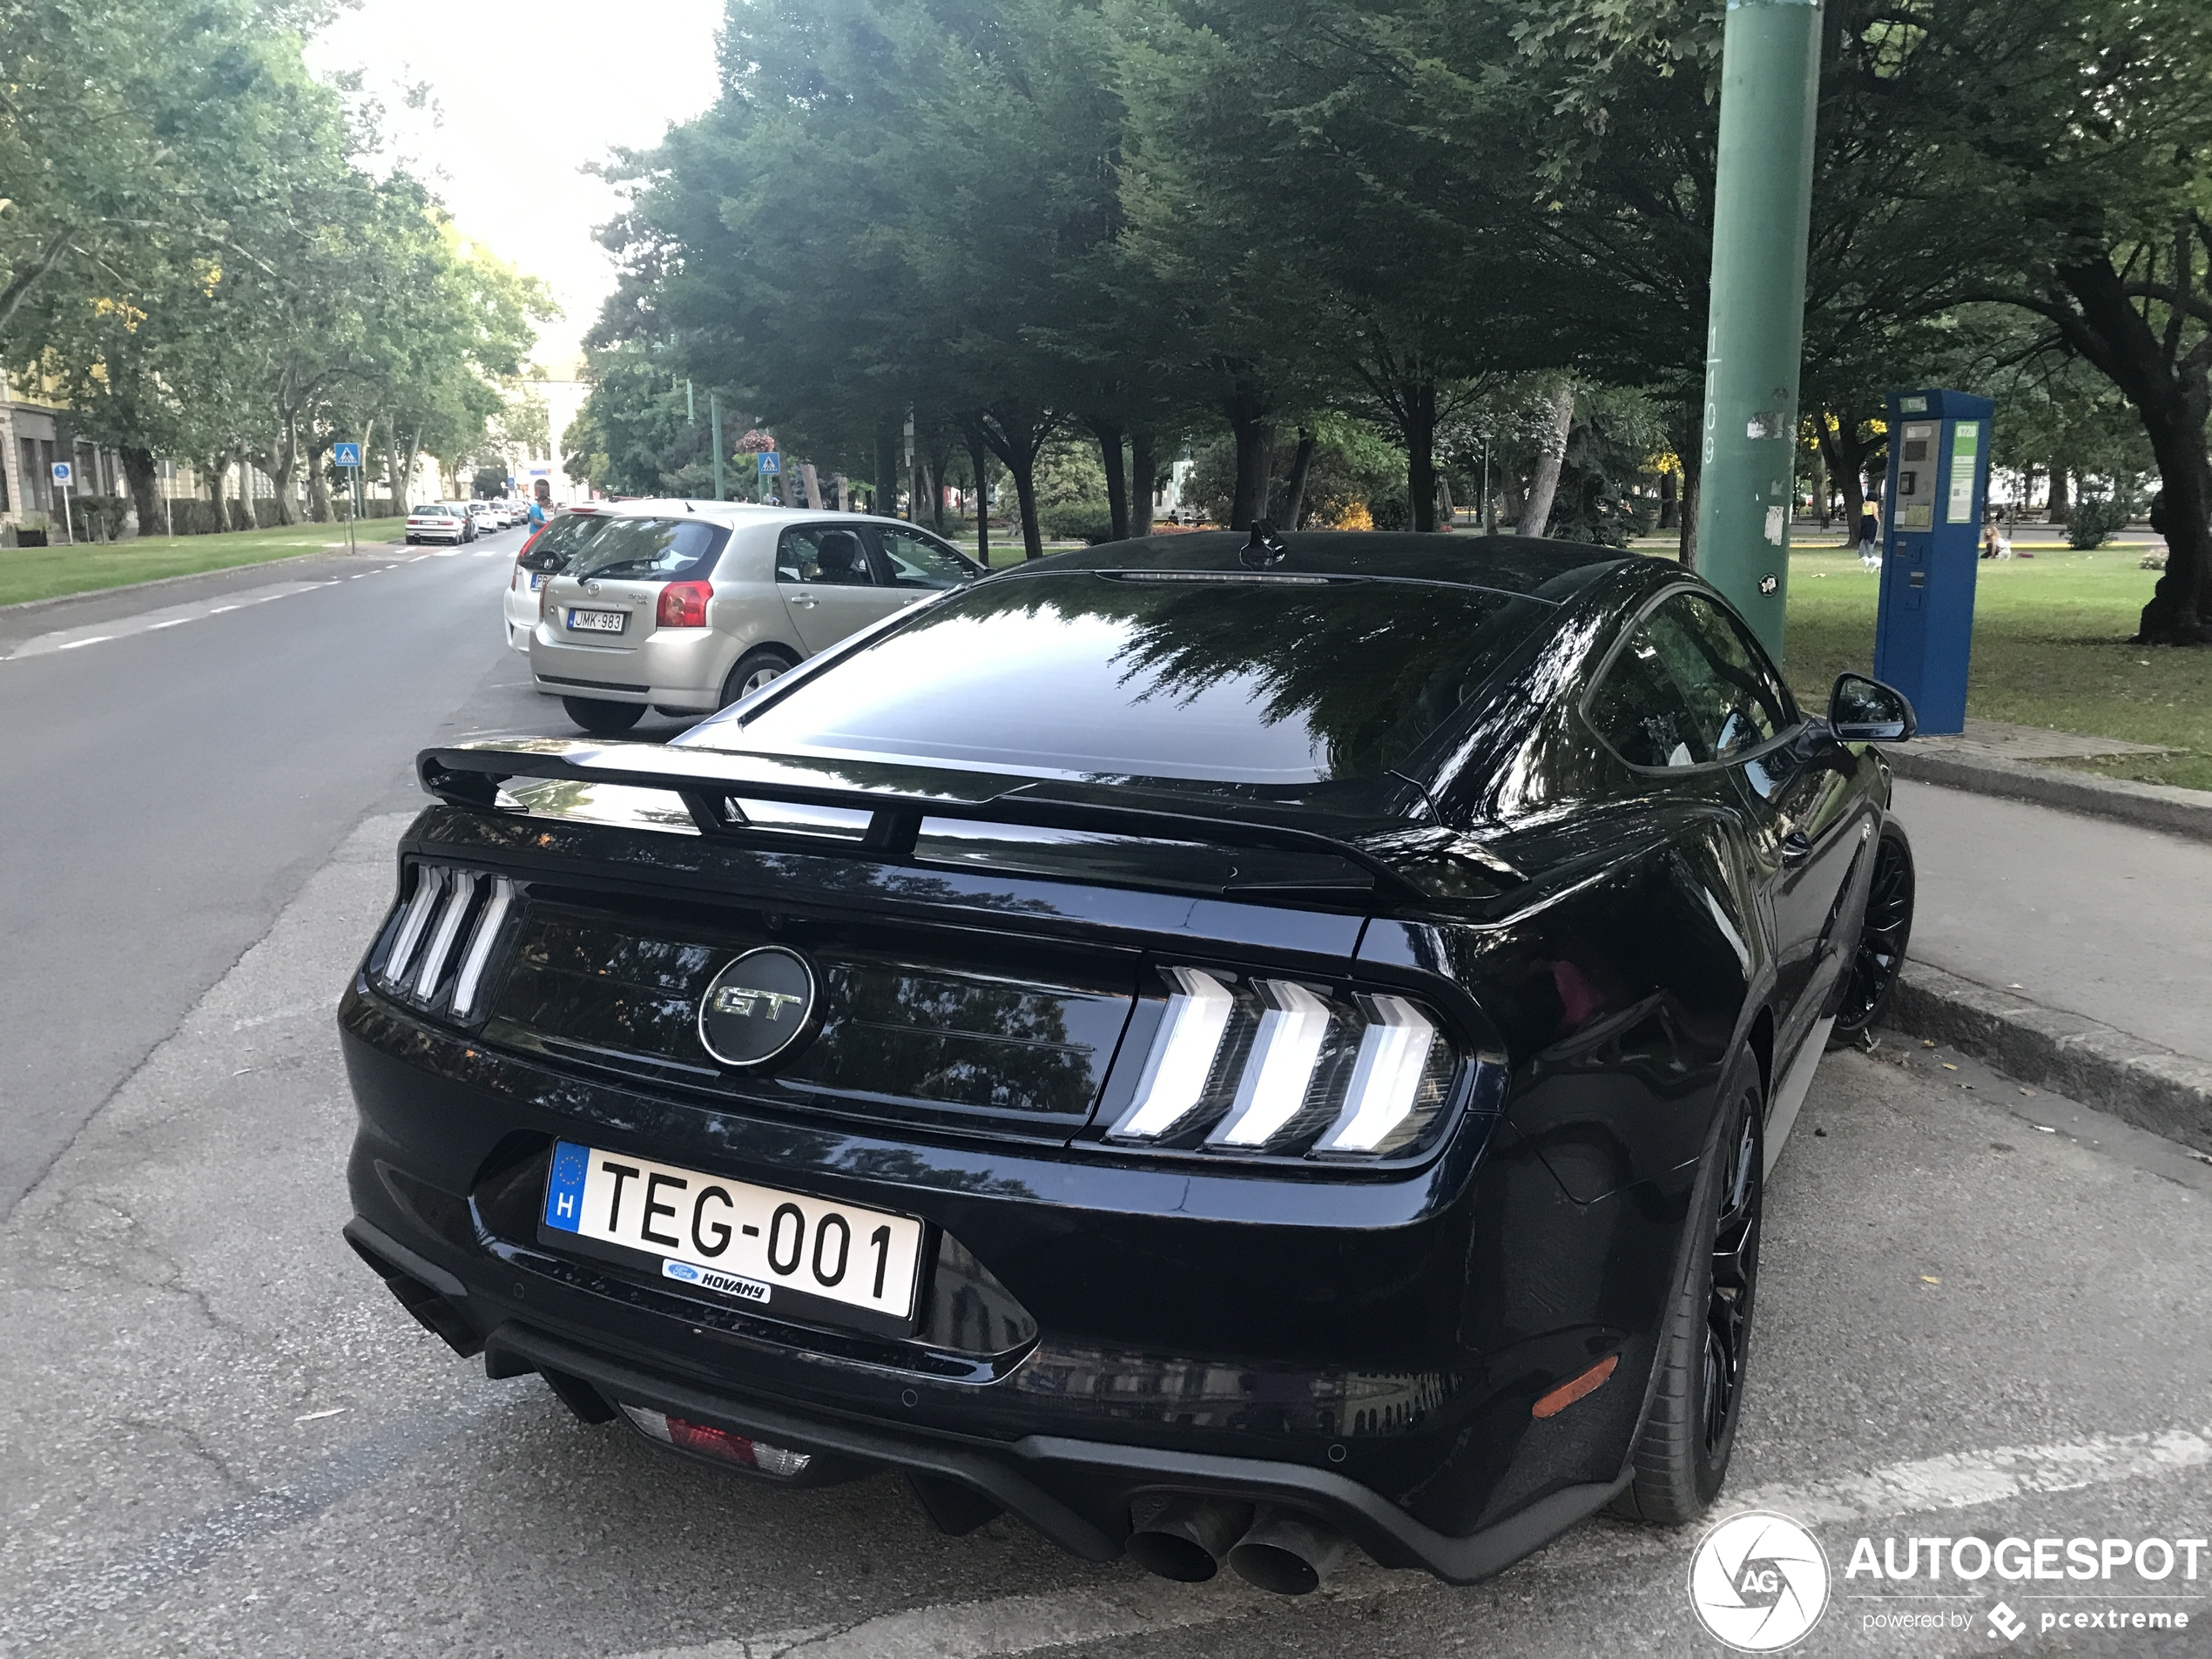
(1524, 564)
(727, 512)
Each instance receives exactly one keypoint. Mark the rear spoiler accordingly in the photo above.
(711, 784)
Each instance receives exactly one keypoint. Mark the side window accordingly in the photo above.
(919, 560)
(1638, 710)
(825, 556)
(1689, 687)
(1732, 687)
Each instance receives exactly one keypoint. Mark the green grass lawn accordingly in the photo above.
(2050, 650)
(47, 572)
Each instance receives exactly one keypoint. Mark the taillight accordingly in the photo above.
(683, 605)
(721, 1443)
(1277, 1068)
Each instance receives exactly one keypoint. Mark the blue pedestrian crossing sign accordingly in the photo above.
(769, 462)
(346, 454)
(62, 472)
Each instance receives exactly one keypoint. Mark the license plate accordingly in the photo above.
(598, 622)
(538, 580)
(778, 1250)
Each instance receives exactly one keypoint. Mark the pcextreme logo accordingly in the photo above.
(1758, 1582)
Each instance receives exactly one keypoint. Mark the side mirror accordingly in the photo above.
(1865, 710)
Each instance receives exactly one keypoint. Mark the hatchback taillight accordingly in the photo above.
(683, 605)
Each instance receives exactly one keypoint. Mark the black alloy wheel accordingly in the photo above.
(1732, 1287)
(1882, 937)
(603, 718)
(1689, 1434)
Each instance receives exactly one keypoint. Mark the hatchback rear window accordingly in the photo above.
(1261, 681)
(558, 542)
(648, 549)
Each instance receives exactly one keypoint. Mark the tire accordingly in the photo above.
(1683, 1450)
(1877, 960)
(603, 718)
(754, 670)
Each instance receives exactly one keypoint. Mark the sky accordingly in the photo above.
(523, 93)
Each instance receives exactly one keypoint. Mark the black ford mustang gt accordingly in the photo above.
(1217, 1048)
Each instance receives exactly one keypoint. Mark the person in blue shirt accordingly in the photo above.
(539, 514)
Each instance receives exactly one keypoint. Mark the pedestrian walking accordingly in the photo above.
(538, 514)
(1870, 534)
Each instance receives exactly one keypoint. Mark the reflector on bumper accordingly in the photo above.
(687, 1436)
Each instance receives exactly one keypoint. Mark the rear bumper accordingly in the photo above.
(1075, 1492)
(1369, 1357)
(683, 668)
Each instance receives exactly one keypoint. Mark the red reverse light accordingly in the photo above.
(683, 605)
(720, 1443)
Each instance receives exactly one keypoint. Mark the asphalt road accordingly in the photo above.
(1983, 1313)
(179, 758)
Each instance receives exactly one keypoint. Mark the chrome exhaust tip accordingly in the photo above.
(1287, 1553)
(1188, 1537)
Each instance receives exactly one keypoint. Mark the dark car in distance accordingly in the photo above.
(1219, 1047)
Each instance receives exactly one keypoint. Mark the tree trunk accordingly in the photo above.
(1109, 434)
(1693, 470)
(1418, 427)
(143, 478)
(1294, 492)
(2172, 404)
(1669, 501)
(1144, 472)
(1536, 514)
(242, 509)
(1247, 413)
(318, 486)
(1846, 459)
(887, 470)
(979, 460)
(1024, 470)
(2061, 509)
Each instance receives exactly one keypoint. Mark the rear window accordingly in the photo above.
(558, 542)
(1268, 681)
(648, 549)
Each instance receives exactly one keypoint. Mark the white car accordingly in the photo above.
(543, 556)
(487, 515)
(438, 521)
(686, 606)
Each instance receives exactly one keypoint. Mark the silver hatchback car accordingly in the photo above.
(687, 606)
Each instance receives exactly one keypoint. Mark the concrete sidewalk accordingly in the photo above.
(2069, 950)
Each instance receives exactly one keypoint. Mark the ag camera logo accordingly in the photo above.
(1758, 1582)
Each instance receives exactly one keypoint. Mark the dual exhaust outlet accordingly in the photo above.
(1270, 1547)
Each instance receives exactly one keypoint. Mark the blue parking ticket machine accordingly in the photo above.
(1937, 483)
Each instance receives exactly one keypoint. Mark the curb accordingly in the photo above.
(20, 606)
(2099, 1065)
(2160, 807)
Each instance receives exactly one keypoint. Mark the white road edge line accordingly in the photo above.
(72, 644)
(1016, 1624)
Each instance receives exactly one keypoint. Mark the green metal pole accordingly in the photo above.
(1762, 210)
(714, 419)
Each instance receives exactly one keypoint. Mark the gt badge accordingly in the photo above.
(757, 1007)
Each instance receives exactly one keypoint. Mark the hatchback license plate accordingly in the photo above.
(598, 622)
(538, 580)
(757, 1244)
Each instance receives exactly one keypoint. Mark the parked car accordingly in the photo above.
(1216, 1048)
(487, 515)
(688, 606)
(438, 521)
(543, 556)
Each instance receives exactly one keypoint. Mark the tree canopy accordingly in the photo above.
(196, 256)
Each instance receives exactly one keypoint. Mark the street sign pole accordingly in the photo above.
(63, 473)
(346, 457)
(714, 424)
(1762, 211)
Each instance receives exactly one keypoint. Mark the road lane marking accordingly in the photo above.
(166, 617)
(1015, 1624)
